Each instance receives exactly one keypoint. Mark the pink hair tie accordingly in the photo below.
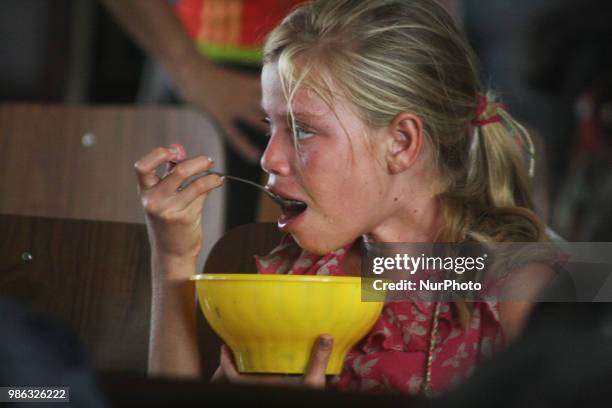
(482, 107)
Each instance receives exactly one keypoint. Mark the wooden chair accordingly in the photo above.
(77, 161)
(92, 275)
(233, 253)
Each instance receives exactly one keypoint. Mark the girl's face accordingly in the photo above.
(333, 169)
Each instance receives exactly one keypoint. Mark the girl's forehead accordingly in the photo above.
(304, 102)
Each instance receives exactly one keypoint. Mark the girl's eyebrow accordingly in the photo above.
(299, 115)
(306, 115)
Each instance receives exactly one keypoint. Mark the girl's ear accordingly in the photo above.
(404, 137)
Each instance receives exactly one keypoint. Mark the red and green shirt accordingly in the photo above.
(232, 30)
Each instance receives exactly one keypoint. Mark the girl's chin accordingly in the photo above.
(312, 233)
(309, 245)
(316, 243)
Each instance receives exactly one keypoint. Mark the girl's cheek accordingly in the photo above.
(304, 157)
(315, 156)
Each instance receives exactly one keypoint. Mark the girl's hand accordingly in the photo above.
(313, 378)
(174, 217)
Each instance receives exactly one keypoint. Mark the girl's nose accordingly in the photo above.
(276, 157)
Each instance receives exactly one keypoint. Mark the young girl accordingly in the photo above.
(378, 123)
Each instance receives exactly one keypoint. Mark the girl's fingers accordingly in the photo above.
(315, 373)
(145, 167)
(183, 171)
(219, 376)
(227, 364)
(180, 156)
(196, 189)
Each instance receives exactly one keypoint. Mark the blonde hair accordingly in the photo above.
(392, 56)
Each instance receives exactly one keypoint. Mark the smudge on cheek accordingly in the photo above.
(304, 157)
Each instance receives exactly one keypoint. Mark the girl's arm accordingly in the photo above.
(174, 225)
(173, 347)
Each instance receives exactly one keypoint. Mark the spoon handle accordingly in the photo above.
(259, 186)
(206, 173)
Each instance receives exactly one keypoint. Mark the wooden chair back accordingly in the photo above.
(78, 161)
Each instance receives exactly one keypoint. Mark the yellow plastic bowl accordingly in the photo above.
(272, 321)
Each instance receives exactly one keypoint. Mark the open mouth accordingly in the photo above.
(290, 207)
(293, 208)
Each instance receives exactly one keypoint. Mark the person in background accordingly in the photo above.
(212, 51)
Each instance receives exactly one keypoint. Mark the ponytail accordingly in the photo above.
(495, 203)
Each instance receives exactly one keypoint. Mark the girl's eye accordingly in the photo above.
(302, 134)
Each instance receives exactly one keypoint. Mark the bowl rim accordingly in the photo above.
(274, 278)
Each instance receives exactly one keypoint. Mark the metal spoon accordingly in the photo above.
(294, 205)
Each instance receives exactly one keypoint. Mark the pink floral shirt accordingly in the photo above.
(392, 356)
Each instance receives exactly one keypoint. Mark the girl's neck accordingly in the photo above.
(351, 264)
(414, 226)
(420, 222)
